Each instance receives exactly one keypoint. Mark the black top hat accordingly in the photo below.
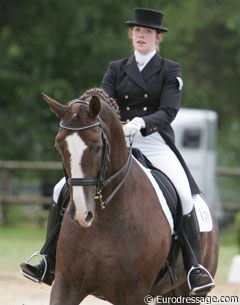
(147, 18)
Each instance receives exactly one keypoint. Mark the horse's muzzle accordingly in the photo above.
(84, 220)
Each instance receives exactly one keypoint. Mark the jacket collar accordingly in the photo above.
(153, 66)
(133, 72)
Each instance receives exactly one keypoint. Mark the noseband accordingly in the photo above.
(100, 180)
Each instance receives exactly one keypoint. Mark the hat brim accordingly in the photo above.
(160, 28)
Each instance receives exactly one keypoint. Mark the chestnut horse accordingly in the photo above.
(115, 237)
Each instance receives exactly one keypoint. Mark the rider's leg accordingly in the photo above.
(44, 270)
(200, 281)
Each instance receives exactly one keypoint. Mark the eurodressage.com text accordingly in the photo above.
(192, 300)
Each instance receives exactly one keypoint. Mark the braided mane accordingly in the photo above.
(101, 94)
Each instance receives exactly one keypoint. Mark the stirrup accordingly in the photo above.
(195, 291)
(44, 272)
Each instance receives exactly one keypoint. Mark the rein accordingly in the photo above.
(127, 166)
(100, 180)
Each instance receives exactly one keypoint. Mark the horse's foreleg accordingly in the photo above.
(62, 293)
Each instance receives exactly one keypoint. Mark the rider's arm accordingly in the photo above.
(169, 103)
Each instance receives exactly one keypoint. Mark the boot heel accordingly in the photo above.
(28, 276)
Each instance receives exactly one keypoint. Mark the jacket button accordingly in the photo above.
(126, 97)
(146, 95)
(144, 108)
(128, 108)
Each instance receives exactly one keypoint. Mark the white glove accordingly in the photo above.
(132, 127)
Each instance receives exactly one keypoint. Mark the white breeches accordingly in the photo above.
(163, 158)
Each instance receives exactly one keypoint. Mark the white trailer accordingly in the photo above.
(196, 138)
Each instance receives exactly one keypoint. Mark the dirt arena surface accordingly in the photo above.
(15, 290)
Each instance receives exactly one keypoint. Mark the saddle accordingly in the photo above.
(166, 186)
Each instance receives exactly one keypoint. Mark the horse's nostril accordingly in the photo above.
(89, 217)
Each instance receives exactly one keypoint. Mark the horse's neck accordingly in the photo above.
(118, 156)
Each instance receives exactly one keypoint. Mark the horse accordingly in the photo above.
(114, 238)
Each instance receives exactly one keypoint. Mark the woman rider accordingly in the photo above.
(147, 88)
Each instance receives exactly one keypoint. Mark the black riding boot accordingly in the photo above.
(200, 281)
(44, 271)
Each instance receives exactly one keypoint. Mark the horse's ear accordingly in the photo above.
(55, 106)
(94, 106)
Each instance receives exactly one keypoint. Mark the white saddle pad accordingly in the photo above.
(202, 210)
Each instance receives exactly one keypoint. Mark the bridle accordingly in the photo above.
(100, 181)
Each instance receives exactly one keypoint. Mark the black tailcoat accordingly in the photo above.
(153, 94)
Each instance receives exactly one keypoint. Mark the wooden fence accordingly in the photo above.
(228, 171)
(9, 168)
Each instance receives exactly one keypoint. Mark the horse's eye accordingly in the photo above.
(97, 149)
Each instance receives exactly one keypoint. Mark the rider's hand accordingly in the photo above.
(132, 127)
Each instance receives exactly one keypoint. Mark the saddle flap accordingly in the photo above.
(164, 184)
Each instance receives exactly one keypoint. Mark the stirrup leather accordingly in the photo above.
(196, 290)
(45, 269)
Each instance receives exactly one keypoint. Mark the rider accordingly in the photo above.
(147, 88)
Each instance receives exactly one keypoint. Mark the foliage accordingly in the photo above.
(63, 48)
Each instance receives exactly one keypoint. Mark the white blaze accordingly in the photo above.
(76, 148)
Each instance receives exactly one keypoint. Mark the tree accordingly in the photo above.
(63, 48)
(208, 48)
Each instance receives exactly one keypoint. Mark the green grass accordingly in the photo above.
(18, 241)
(225, 258)
(228, 249)
(17, 244)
